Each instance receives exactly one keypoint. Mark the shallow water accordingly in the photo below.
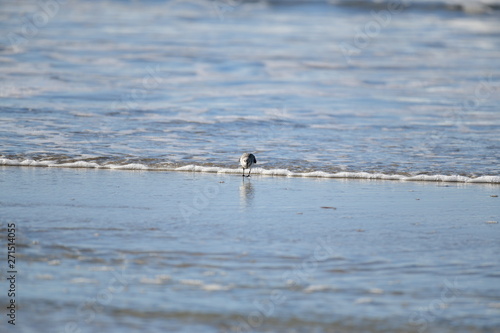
(108, 250)
(305, 86)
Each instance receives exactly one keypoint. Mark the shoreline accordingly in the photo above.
(438, 178)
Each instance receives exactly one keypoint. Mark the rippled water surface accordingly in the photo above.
(308, 87)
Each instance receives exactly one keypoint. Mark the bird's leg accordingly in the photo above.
(249, 170)
(242, 172)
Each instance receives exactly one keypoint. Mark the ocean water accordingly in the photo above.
(363, 89)
(94, 95)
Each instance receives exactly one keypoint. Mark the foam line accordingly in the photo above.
(257, 171)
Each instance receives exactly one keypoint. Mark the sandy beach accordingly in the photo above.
(130, 251)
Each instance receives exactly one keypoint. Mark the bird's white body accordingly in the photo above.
(247, 161)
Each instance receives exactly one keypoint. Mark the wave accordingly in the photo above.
(487, 179)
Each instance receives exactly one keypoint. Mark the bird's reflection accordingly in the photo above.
(246, 194)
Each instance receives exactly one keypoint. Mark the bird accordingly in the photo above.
(247, 161)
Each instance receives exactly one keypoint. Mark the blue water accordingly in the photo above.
(339, 89)
(346, 87)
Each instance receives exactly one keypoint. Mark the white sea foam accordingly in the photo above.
(215, 287)
(205, 286)
(32, 163)
(490, 179)
(132, 166)
(83, 280)
(77, 164)
(319, 288)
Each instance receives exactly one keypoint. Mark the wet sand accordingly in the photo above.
(117, 250)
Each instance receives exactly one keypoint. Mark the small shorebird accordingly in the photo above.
(247, 161)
